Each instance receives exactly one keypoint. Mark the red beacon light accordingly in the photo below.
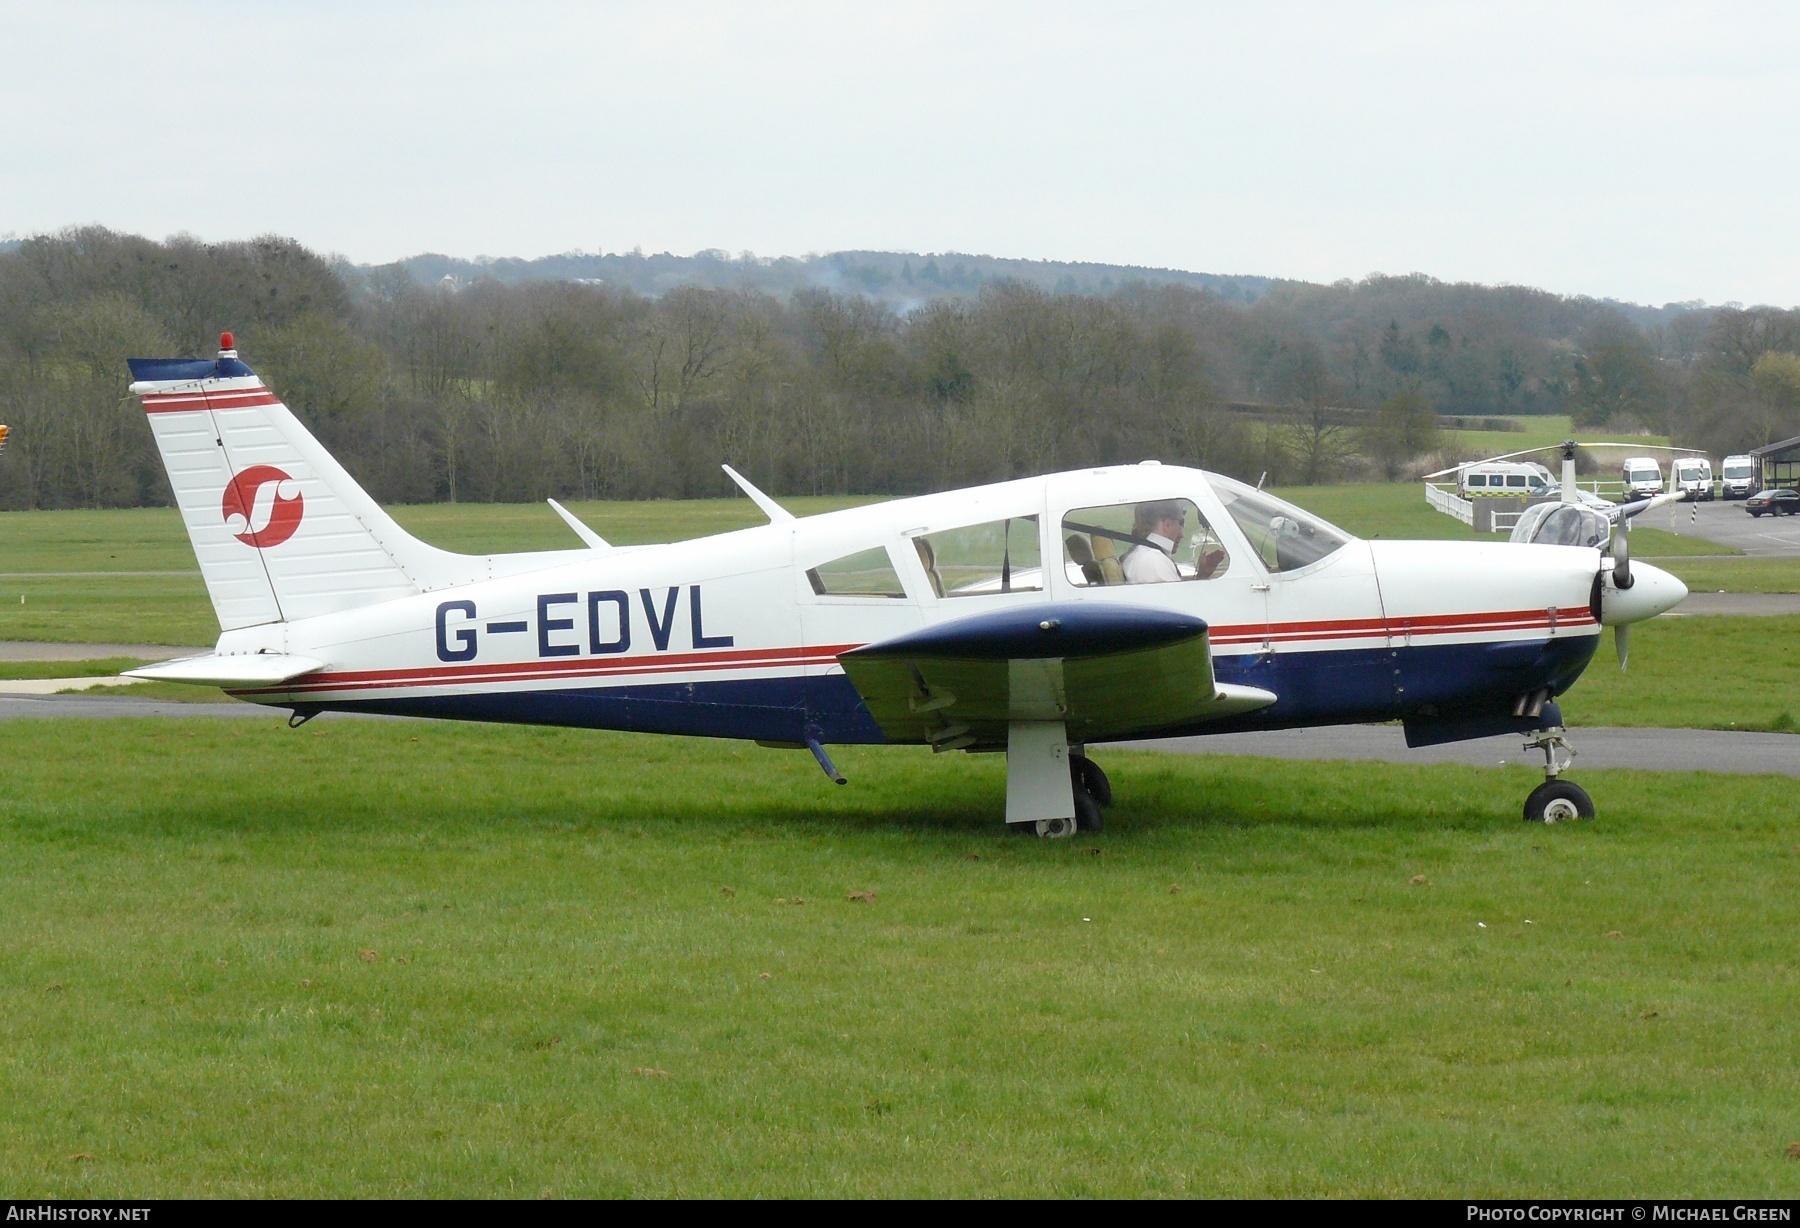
(227, 346)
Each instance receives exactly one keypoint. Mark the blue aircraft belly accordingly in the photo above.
(1315, 688)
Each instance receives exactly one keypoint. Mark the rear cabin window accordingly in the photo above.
(867, 573)
(1141, 543)
(1478, 479)
(1001, 556)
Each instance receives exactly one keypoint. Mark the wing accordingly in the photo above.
(1106, 670)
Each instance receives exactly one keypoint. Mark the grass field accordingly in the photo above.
(82, 578)
(1735, 575)
(129, 576)
(1538, 432)
(1397, 510)
(68, 669)
(383, 958)
(1751, 680)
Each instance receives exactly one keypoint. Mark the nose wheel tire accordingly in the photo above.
(1056, 829)
(1558, 801)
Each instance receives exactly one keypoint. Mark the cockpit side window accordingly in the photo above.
(1284, 536)
(1152, 542)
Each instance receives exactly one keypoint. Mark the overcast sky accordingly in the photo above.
(1640, 151)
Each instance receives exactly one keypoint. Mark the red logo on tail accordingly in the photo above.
(262, 506)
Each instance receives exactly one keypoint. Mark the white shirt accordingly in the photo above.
(1152, 564)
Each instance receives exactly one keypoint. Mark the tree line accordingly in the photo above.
(512, 392)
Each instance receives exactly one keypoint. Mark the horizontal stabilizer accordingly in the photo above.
(249, 669)
(1106, 671)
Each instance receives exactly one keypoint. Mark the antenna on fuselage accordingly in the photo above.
(773, 510)
(593, 539)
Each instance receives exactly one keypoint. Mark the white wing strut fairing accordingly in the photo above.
(1103, 671)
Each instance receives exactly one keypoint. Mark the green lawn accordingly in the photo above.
(67, 669)
(1734, 575)
(1715, 672)
(171, 607)
(1398, 511)
(1751, 680)
(379, 959)
(1542, 432)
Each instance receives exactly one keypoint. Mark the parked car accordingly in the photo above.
(1775, 501)
(1739, 477)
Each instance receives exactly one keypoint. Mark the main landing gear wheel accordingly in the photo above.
(1057, 829)
(1092, 791)
(1090, 779)
(1558, 801)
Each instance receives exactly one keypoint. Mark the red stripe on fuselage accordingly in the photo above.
(583, 667)
(1575, 618)
(1420, 625)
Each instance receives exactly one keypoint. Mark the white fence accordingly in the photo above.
(1447, 501)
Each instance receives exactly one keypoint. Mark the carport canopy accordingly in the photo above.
(1779, 462)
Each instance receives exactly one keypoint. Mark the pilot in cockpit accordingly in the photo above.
(1159, 527)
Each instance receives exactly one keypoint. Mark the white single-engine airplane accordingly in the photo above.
(1032, 617)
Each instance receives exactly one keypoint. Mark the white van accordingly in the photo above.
(1738, 477)
(1643, 477)
(1692, 474)
(1523, 481)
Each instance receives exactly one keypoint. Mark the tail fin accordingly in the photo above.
(281, 531)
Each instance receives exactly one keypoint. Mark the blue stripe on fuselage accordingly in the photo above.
(1344, 686)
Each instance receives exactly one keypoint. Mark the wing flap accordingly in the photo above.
(1105, 670)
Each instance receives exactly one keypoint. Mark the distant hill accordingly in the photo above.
(899, 279)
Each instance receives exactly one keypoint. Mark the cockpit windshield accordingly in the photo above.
(1285, 537)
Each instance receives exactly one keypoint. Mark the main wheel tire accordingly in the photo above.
(1558, 801)
(1089, 779)
(1055, 829)
(1088, 816)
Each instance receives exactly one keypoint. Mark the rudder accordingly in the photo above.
(281, 530)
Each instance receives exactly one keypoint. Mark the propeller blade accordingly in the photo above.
(1621, 548)
(1622, 640)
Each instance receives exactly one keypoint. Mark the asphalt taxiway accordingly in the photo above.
(1663, 750)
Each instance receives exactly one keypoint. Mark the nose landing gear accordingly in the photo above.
(1556, 800)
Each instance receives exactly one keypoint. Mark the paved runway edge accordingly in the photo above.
(1657, 750)
(1662, 750)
